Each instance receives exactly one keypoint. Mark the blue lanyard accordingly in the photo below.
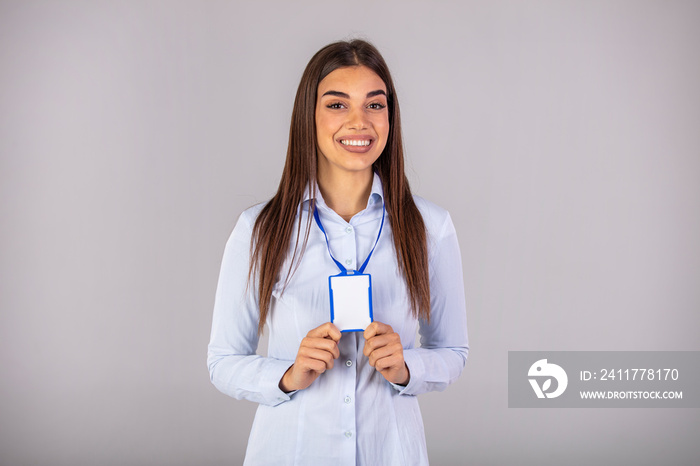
(343, 270)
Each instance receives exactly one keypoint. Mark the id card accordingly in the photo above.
(351, 301)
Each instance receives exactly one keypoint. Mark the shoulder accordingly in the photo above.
(243, 230)
(438, 222)
(249, 215)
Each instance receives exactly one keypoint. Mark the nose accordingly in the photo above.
(357, 119)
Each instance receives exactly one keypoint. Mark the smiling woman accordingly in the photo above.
(344, 172)
(352, 128)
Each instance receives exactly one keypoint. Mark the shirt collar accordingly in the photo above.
(376, 194)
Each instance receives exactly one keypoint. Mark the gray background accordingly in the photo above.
(562, 136)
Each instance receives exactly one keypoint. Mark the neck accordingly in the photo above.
(346, 193)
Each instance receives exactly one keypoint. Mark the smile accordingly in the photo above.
(355, 142)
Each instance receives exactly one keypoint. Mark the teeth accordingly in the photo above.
(355, 142)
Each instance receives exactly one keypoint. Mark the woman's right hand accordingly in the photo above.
(315, 356)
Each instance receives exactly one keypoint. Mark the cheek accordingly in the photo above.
(383, 127)
(324, 126)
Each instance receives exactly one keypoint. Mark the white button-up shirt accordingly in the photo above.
(350, 415)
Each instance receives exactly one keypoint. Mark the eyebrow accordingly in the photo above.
(346, 96)
(377, 92)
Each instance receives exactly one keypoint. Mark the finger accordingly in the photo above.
(392, 361)
(377, 328)
(327, 330)
(322, 344)
(385, 352)
(306, 355)
(311, 365)
(379, 341)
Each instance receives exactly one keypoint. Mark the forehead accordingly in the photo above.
(359, 79)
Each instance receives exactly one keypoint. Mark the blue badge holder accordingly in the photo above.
(351, 290)
(351, 301)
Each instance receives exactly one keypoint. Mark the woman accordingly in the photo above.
(343, 203)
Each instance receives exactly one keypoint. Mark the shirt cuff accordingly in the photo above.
(417, 370)
(270, 382)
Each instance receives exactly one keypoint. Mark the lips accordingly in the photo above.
(356, 143)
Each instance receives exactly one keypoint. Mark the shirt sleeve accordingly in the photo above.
(234, 367)
(444, 343)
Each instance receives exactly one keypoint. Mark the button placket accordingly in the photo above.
(348, 351)
(349, 246)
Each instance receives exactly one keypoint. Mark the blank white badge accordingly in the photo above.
(351, 301)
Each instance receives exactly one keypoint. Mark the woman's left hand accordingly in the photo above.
(385, 352)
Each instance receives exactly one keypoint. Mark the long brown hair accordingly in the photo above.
(274, 225)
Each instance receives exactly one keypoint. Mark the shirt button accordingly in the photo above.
(348, 363)
(348, 434)
(348, 261)
(348, 400)
(348, 230)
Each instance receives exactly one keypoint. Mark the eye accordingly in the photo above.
(376, 106)
(335, 105)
